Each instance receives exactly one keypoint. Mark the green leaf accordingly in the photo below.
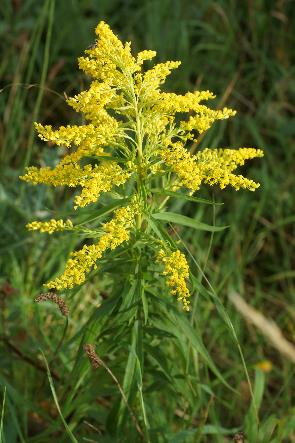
(14, 401)
(287, 426)
(251, 419)
(171, 217)
(185, 197)
(181, 436)
(266, 430)
(223, 313)
(144, 303)
(160, 231)
(218, 430)
(89, 332)
(155, 354)
(138, 374)
(102, 211)
(184, 326)
(129, 376)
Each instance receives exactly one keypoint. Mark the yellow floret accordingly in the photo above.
(183, 164)
(92, 104)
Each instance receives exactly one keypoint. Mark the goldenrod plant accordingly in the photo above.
(137, 151)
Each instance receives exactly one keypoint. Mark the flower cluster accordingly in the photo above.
(81, 262)
(211, 166)
(176, 271)
(135, 136)
(50, 226)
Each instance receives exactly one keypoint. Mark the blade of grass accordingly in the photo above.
(68, 430)
(2, 440)
(50, 6)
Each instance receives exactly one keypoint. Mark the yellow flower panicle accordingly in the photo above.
(76, 135)
(81, 262)
(156, 76)
(63, 175)
(211, 166)
(117, 77)
(204, 118)
(50, 226)
(171, 103)
(217, 167)
(110, 59)
(94, 103)
(176, 271)
(94, 180)
(159, 104)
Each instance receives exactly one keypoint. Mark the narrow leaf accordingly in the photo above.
(171, 217)
(185, 197)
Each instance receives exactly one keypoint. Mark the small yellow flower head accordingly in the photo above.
(176, 271)
(50, 226)
(264, 366)
(81, 262)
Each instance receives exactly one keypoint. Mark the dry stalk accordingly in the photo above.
(267, 327)
(96, 362)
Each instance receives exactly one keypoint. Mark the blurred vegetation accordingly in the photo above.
(242, 51)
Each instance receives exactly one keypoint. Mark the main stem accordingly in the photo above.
(139, 151)
(140, 184)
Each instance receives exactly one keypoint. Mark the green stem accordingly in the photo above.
(139, 148)
(139, 158)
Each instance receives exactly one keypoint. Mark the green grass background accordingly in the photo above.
(244, 52)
